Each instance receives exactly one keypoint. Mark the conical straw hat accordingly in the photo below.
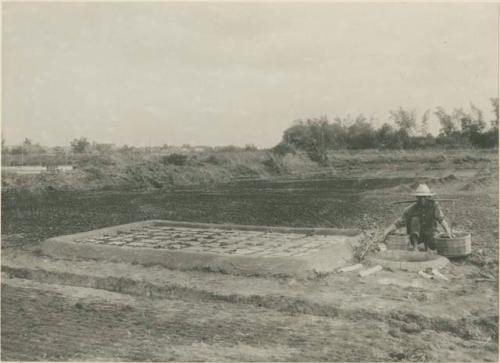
(423, 191)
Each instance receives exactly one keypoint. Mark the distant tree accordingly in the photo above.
(472, 125)
(424, 124)
(250, 147)
(319, 142)
(460, 128)
(229, 148)
(477, 116)
(386, 137)
(79, 146)
(28, 147)
(312, 136)
(283, 148)
(361, 134)
(406, 120)
(17, 150)
(492, 134)
(125, 149)
(339, 133)
(494, 103)
(448, 126)
(59, 150)
(103, 148)
(296, 135)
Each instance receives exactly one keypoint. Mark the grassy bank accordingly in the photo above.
(140, 170)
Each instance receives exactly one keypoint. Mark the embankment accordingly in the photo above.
(133, 171)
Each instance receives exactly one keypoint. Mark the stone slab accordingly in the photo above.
(235, 249)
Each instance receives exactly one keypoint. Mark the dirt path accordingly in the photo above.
(334, 294)
(54, 310)
(54, 322)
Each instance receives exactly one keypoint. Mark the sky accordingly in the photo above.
(155, 73)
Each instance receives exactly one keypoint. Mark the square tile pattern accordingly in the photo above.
(217, 241)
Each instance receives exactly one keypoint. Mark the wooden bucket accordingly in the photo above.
(397, 241)
(454, 247)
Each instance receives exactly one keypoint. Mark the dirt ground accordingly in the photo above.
(52, 310)
(90, 310)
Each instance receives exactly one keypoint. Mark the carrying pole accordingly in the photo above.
(413, 201)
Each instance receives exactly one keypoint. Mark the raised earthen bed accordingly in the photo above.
(235, 249)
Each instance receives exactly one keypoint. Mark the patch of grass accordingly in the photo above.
(142, 170)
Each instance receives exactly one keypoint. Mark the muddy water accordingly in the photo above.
(314, 203)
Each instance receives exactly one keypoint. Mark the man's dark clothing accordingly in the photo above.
(421, 222)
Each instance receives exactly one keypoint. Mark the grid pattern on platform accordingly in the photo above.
(219, 241)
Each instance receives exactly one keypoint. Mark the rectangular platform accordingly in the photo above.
(235, 249)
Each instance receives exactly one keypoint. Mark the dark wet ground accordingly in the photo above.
(311, 203)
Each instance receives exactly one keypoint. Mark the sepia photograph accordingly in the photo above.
(257, 181)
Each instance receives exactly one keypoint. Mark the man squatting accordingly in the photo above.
(421, 219)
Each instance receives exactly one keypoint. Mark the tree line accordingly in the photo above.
(403, 130)
(317, 136)
(29, 152)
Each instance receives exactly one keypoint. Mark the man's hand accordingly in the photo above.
(447, 229)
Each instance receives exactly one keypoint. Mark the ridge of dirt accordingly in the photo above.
(464, 327)
(333, 296)
(139, 328)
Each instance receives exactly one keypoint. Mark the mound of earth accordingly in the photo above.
(480, 184)
(433, 183)
(448, 178)
(402, 188)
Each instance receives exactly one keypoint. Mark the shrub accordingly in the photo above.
(213, 159)
(229, 148)
(175, 159)
(250, 147)
(80, 145)
(274, 163)
(283, 148)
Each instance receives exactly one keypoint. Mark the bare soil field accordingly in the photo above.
(107, 311)
(89, 310)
